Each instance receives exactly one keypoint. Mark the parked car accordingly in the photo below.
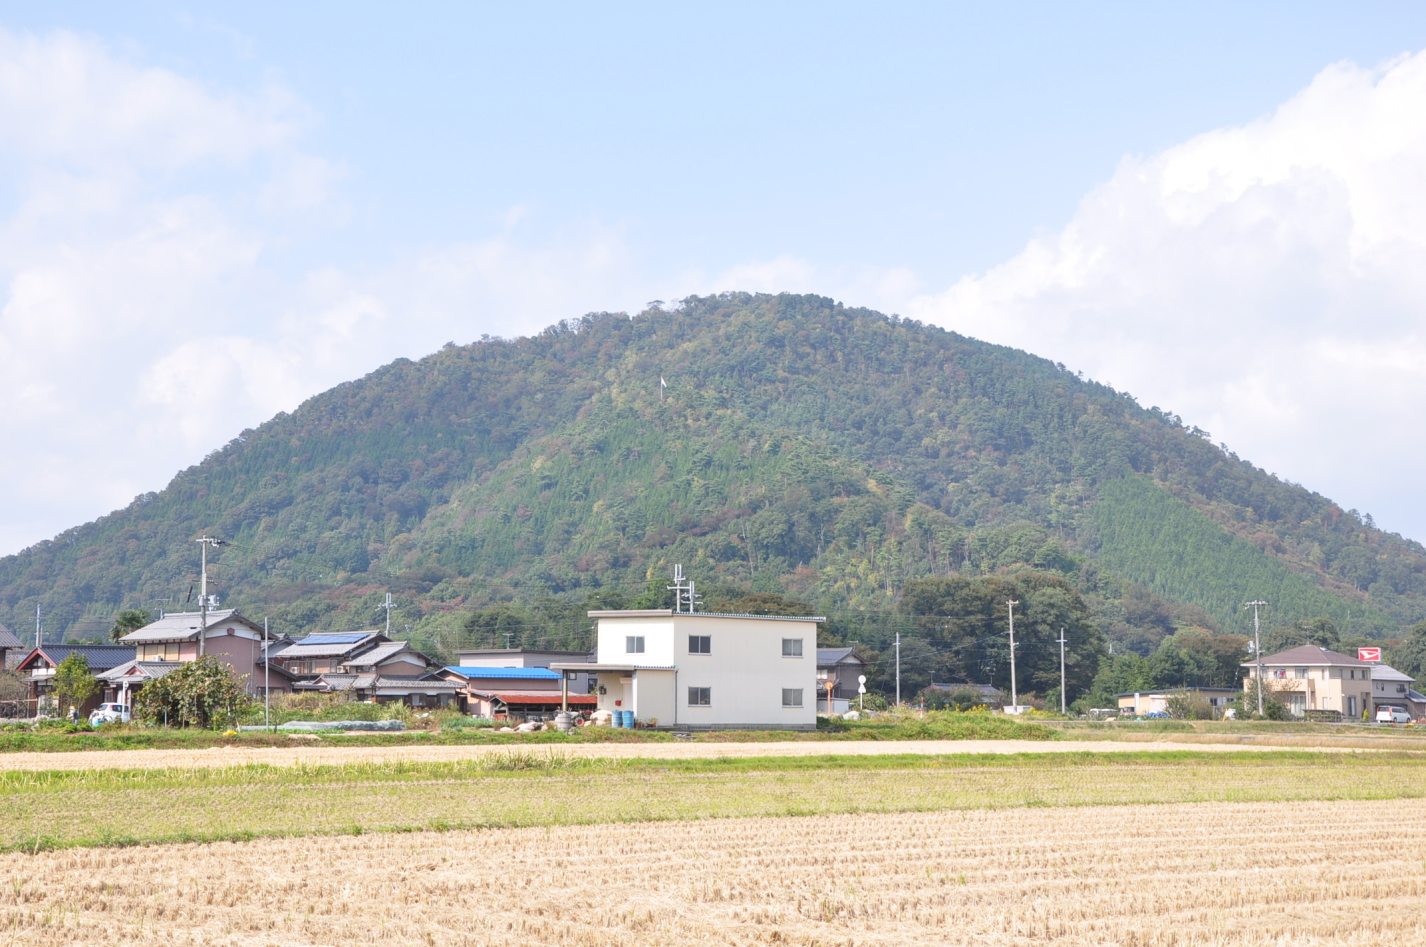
(1392, 715)
(109, 713)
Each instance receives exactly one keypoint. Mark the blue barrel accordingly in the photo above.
(628, 719)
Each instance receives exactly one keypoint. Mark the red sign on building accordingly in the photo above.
(1368, 654)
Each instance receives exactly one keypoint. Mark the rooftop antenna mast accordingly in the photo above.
(203, 544)
(1258, 649)
(388, 605)
(678, 588)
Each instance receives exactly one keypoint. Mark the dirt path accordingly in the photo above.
(277, 756)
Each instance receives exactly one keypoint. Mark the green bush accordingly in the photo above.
(202, 693)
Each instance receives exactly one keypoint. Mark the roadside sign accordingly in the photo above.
(861, 678)
(861, 688)
(1368, 654)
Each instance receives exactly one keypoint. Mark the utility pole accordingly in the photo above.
(39, 628)
(266, 678)
(203, 545)
(1062, 671)
(388, 605)
(1258, 649)
(1014, 693)
(898, 668)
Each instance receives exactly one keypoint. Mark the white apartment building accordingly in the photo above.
(701, 670)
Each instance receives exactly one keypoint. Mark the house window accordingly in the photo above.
(792, 697)
(792, 647)
(1301, 674)
(417, 700)
(634, 644)
(700, 644)
(700, 696)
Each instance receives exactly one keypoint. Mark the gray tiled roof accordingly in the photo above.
(148, 671)
(381, 652)
(1385, 672)
(101, 657)
(8, 639)
(182, 626)
(1308, 655)
(830, 656)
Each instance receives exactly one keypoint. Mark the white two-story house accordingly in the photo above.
(702, 670)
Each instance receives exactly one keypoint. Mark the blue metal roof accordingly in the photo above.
(541, 674)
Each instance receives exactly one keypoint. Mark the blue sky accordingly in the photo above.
(253, 202)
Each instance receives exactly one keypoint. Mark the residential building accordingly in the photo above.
(427, 691)
(1313, 679)
(322, 653)
(530, 658)
(517, 691)
(8, 642)
(1391, 688)
(38, 668)
(1143, 703)
(701, 670)
(841, 667)
(366, 665)
(174, 639)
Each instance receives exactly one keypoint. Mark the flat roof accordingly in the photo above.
(569, 666)
(670, 613)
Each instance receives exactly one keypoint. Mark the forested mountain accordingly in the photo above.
(801, 449)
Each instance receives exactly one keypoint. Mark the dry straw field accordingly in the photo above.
(1203, 874)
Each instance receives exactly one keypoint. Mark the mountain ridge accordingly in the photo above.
(802, 448)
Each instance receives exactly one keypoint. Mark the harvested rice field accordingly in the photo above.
(111, 807)
(1198, 874)
(324, 752)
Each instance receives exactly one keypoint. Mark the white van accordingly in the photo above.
(1392, 715)
(109, 713)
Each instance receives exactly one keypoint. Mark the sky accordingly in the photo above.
(210, 212)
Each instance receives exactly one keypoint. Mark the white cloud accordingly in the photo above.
(145, 314)
(1267, 282)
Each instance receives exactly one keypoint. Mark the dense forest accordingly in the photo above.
(871, 467)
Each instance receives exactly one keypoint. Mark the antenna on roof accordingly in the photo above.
(678, 588)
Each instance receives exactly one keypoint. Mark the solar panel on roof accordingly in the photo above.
(333, 639)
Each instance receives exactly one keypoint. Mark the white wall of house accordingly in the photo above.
(744, 669)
